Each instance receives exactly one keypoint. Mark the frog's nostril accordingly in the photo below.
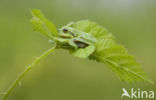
(65, 30)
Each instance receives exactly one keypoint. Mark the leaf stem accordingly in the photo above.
(28, 68)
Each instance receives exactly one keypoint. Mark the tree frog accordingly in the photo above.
(69, 36)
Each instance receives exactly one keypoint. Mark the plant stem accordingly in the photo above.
(28, 68)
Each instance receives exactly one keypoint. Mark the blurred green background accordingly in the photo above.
(61, 76)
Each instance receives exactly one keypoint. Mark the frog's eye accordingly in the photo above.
(65, 30)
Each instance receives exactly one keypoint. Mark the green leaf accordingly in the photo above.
(83, 52)
(100, 46)
(112, 54)
(41, 24)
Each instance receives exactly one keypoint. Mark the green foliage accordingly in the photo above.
(84, 52)
(41, 24)
(112, 54)
(86, 39)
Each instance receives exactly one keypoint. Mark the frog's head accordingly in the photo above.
(66, 32)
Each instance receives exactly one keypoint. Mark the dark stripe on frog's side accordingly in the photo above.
(65, 37)
(80, 44)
